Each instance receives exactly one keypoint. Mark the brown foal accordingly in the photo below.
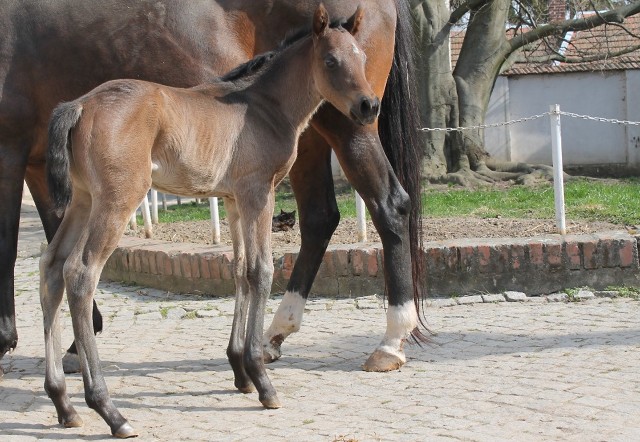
(235, 138)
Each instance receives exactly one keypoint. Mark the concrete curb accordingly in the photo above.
(535, 265)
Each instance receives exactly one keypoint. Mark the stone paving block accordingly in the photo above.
(176, 313)
(471, 299)
(493, 298)
(585, 294)
(512, 296)
(607, 293)
(443, 302)
(150, 316)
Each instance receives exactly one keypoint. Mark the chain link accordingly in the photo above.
(522, 120)
(600, 119)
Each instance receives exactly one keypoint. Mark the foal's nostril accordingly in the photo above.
(369, 107)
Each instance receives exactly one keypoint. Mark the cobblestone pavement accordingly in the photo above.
(533, 370)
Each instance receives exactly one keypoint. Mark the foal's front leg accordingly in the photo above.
(256, 211)
(235, 349)
(312, 183)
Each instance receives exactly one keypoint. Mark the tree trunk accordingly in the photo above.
(460, 97)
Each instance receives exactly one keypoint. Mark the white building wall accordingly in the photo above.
(602, 94)
(633, 114)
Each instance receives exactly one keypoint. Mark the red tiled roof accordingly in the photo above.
(605, 39)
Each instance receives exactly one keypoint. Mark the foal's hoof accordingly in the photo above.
(71, 363)
(74, 421)
(271, 350)
(246, 388)
(271, 403)
(383, 361)
(125, 431)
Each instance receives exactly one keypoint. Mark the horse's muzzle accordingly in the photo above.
(366, 110)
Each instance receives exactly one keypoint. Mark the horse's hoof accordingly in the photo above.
(74, 421)
(125, 431)
(271, 351)
(383, 361)
(271, 403)
(71, 363)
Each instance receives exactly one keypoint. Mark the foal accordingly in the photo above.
(235, 138)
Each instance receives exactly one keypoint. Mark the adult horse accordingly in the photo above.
(52, 51)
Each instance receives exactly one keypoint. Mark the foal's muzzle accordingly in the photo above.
(366, 110)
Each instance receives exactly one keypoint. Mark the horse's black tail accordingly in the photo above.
(398, 129)
(63, 119)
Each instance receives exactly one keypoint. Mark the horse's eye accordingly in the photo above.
(330, 61)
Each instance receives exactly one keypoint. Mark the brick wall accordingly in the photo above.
(533, 265)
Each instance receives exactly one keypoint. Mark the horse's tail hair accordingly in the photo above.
(398, 129)
(64, 118)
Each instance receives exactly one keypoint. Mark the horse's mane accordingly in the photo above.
(259, 61)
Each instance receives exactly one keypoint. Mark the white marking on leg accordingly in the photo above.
(288, 317)
(401, 320)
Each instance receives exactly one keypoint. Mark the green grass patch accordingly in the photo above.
(612, 201)
(626, 292)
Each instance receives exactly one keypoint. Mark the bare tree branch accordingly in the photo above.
(613, 16)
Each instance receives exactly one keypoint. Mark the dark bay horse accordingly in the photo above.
(53, 51)
(234, 138)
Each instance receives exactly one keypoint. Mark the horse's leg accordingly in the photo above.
(235, 349)
(35, 178)
(363, 160)
(12, 168)
(51, 292)
(107, 221)
(255, 207)
(312, 185)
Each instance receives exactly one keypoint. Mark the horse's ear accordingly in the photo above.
(320, 21)
(353, 23)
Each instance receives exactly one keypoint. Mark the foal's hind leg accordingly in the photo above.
(106, 224)
(236, 341)
(51, 292)
(312, 184)
(35, 179)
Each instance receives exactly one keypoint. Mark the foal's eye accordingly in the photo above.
(330, 61)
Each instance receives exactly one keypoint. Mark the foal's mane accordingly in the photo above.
(254, 65)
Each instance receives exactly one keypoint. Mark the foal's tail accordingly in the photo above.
(63, 119)
(398, 130)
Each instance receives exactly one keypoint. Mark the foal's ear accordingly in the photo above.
(320, 21)
(353, 24)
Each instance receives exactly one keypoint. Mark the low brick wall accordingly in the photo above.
(533, 265)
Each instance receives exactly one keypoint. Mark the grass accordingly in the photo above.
(613, 201)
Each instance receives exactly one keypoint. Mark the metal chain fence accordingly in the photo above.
(533, 117)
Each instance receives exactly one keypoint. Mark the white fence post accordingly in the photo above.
(558, 178)
(133, 222)
(146, 217)
(154, 206)
(361, 219)
(215, 219)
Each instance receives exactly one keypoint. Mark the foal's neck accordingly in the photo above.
(287, 87)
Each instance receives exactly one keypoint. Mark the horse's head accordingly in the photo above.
(338, 68)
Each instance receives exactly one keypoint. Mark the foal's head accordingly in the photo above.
(338, 68)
